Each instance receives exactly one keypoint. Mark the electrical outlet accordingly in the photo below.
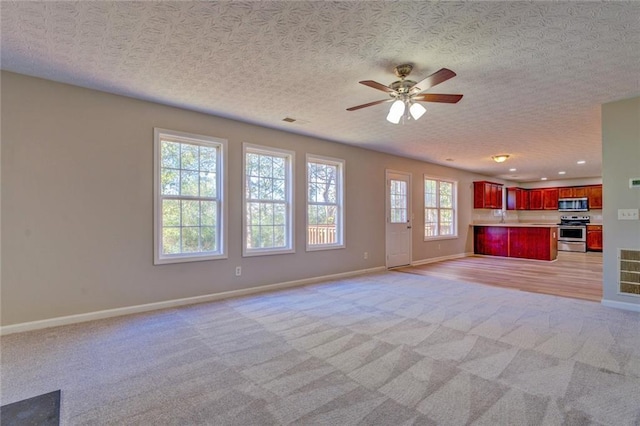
(627, 214)
(366, 255)
(238, 271)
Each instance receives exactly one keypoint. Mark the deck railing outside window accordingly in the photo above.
(322, 234)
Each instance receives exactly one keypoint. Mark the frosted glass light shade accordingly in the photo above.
(417, 111)
(396, 111)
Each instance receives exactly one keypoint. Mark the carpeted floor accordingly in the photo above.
(383, 349)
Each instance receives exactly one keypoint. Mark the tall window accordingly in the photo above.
(439, 208)
(189, 213)
(325, 211)
(268, 201)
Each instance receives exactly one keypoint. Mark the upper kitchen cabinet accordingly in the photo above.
(487, 195)
(550, 198)
(543, 199)
(573, 192)
(594, 193)
(517, 199)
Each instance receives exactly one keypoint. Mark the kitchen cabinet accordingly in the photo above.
(550, 199)
(517, 240)
(491, 240)
(535, 199)
(594, 237)
(573, 192)
(594, 193)
(487, 195)
(517, 199)
(533, 243)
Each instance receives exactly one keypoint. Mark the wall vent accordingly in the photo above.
(629, 277)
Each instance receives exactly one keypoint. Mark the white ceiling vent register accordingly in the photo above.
(629, 277)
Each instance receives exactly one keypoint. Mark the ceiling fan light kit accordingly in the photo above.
(405, 94)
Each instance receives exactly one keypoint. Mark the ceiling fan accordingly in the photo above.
(405, 94)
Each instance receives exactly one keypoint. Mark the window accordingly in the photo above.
(439, 209)
(268, 201)
(325, 211)
(398, 201)
(189, 197)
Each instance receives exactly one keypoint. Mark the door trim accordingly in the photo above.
(387, 218)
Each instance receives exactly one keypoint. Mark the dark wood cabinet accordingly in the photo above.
(573, 192)
(517, 199)
(487, 195)
(547, 198)
(594, 237)
(533, 243)
(565, 192)
(535, 199)
(491, 240)
(526, 242)
(550, 199)
(594, 193)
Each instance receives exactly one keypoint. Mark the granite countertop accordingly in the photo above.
(519, 225)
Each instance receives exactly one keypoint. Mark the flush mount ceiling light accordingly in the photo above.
(501, 158)
(406, 94)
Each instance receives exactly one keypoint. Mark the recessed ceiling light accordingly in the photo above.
(512, 170)
(448, 159)
(562, 173)
(289, 120)
(543, 178)
(581, 162)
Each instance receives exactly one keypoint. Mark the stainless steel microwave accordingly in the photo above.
(573, 204)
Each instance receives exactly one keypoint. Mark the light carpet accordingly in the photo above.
(382, 349)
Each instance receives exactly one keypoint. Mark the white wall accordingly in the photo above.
(77, 204)
(621, 161)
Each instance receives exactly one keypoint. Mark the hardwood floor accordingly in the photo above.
(576, 275)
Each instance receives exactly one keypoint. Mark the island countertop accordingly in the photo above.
(518, 225)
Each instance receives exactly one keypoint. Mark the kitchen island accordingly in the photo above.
(537, 241)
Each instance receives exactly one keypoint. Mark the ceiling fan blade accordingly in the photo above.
(376, 85)
(369, 104)
(434, 97)
(437, 77)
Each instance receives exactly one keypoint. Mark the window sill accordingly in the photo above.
(187, 258)
(327, 247)
(447, 237)
(267, 252)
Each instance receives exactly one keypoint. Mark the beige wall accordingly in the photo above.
(77, 200)
(621, 161)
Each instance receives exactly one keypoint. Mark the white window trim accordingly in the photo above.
(340, 188)
(290, 174)
(455, 208)
(158, 257)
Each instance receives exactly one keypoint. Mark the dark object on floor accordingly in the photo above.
(41, 410)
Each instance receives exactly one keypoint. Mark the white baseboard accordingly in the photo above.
(440, 259)
(635, 307)
(108, 313)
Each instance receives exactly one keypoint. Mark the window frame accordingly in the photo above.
(454, 197)
(290, 199)
(340, 189)
(220, 144)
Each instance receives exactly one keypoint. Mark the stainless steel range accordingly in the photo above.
(572, 233)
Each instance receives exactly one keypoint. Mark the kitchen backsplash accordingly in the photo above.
(530, 216)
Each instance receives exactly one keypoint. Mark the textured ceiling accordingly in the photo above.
(533, 74)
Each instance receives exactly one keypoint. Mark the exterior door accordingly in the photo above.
(399, 220)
